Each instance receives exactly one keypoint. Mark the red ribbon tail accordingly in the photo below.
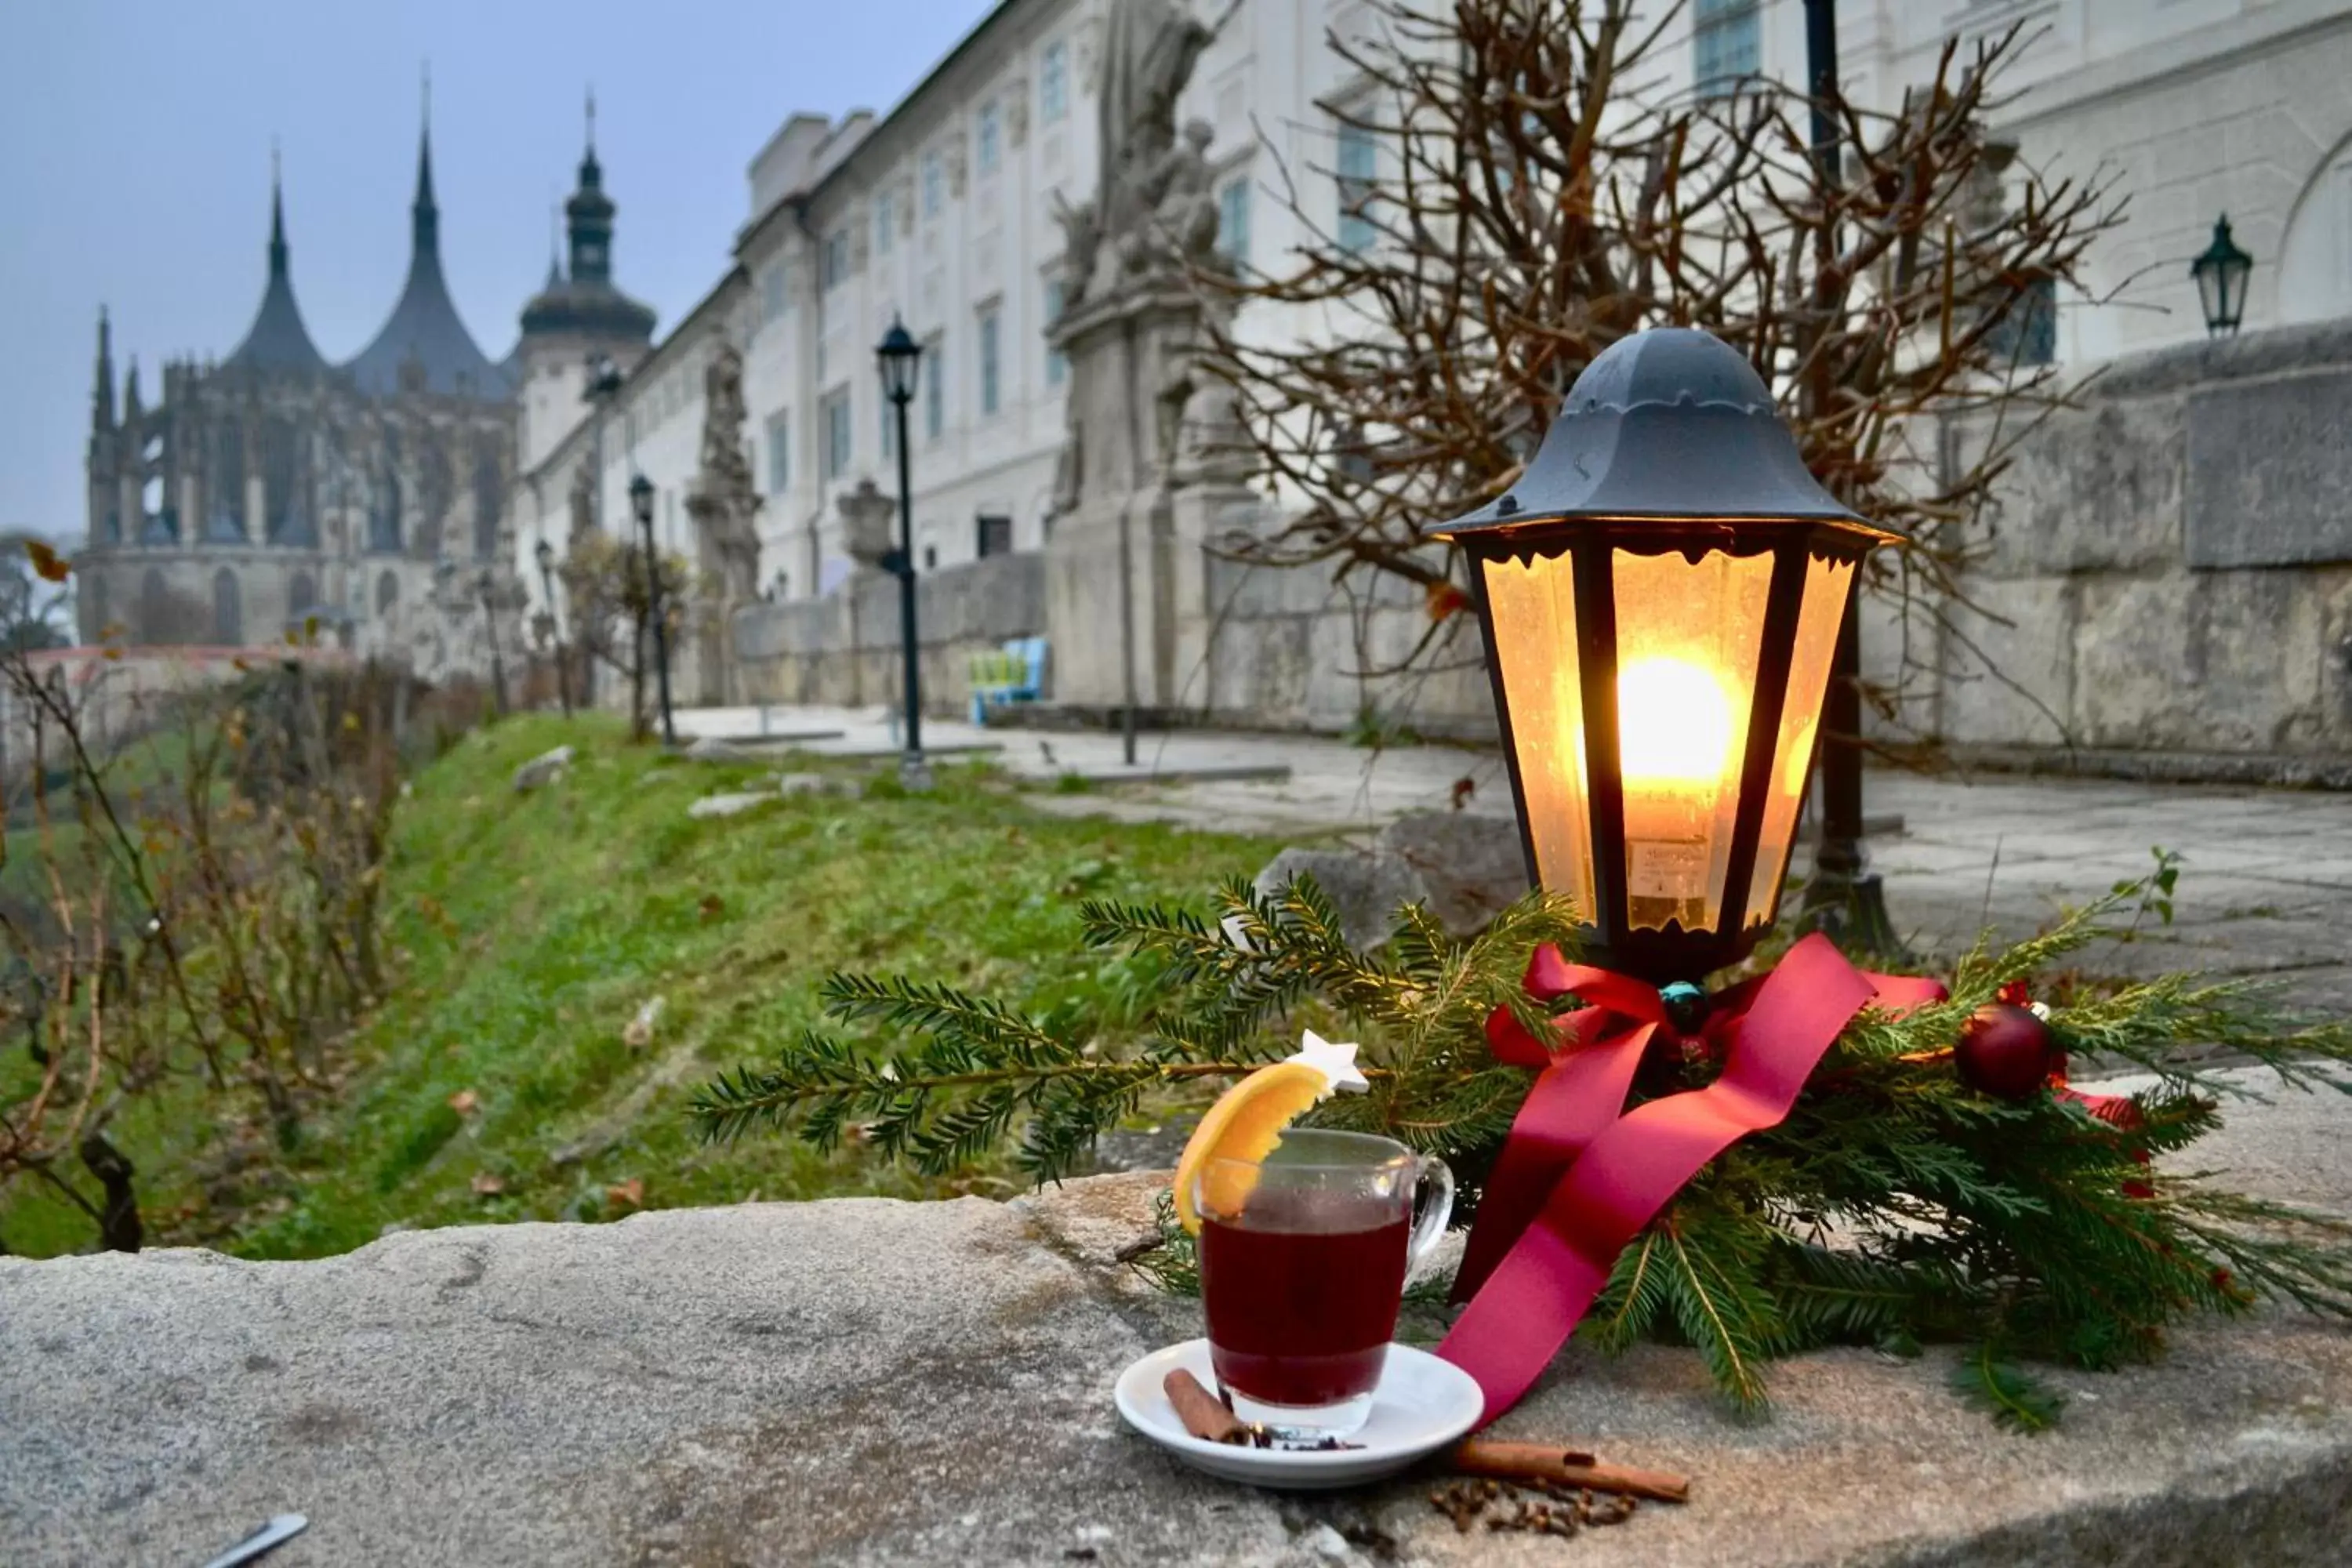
(1525, 1309)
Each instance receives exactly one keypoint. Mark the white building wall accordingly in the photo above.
(2194, 105)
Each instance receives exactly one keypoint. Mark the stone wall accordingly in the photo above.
(2168, 582)
(2165, 590)
(844, 648)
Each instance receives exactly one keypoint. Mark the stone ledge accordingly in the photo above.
(865, 1380)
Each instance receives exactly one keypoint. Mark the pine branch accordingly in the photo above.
(2003, 1390)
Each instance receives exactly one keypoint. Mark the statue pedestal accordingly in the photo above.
(1125, 588)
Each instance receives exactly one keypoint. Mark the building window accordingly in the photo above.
(835, 262)
(301, 595)
(991, 139)
(1354, 167)
(1054, 83)
(930, 557)
(2028, 334)
(771, 291)
(1726, 45)
(935, 185)
(995, 535)
(1057, 366)
(935, 381)
(228, 610)
(1233, 220)
(883, 227)
(387, 594)
(836, 433)
(991, 387)
(780, 453)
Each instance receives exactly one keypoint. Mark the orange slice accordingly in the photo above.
(1249, 1119)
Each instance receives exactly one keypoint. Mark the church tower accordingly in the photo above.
(425, 347)
(575, 318)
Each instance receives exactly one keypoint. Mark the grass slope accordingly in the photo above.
(531, 929)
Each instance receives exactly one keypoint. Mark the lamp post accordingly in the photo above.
(641, 501)
(1662, 595)
(2221, 274)
(487, 588)
(899, 357)
(545, 553)
(603, 385)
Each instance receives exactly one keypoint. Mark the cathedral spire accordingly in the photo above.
(277, 340)
(590, 212)
(277, 215)
(131, 407)
(101, 403)
(422, 344)
(424, 215)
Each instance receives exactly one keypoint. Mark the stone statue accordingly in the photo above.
(724, 500)
(1149, 53)
(582, 501)
(1185, 208)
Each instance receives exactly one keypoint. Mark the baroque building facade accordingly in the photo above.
(275, 493)
(943, 212)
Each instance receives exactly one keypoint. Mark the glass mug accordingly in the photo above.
(1304, 1256)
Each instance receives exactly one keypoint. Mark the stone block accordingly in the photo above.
(542, 770)
(886, 1384)
(2270, 472)
(2014, 686)
(2220, 662)
(2090, 490)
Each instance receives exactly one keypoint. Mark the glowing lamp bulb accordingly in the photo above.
(1674, 723)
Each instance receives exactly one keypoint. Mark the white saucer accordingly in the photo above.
(1422, 1404)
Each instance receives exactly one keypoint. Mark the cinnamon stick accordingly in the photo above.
(1565, 1467)
(1204, 1414)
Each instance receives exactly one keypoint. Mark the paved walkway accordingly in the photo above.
(2267, 881)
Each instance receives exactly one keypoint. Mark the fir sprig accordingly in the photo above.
(1893, 1206)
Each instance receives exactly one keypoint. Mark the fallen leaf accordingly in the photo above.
(464, 1102)
(487, 1185)
(712, 906)
(631, 1193)
(1464, 788)
(47, 562)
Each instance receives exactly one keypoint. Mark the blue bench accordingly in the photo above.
(1014, 673)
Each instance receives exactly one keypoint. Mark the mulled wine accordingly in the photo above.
(1301, 1288)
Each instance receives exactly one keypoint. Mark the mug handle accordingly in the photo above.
(1433, 1203)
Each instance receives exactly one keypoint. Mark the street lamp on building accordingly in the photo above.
(487, 588)
(2221, 274)
(900, 359)
(545, 553)
(641, 501)
(1662, 594)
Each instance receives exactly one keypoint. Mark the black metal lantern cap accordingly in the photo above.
(1669, 424)
(1662, 593)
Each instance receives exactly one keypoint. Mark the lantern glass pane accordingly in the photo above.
(1688, 637)
(1827, 584)
(1532, 619)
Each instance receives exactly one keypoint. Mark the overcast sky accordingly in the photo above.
(134, 166)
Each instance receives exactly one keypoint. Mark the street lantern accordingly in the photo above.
(1662, 593)
(2221, 274)
(641, 502)
(900, 358)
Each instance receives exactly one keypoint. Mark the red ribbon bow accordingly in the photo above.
(1579, 1176)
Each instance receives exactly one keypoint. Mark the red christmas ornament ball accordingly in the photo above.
(2005, 1051)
